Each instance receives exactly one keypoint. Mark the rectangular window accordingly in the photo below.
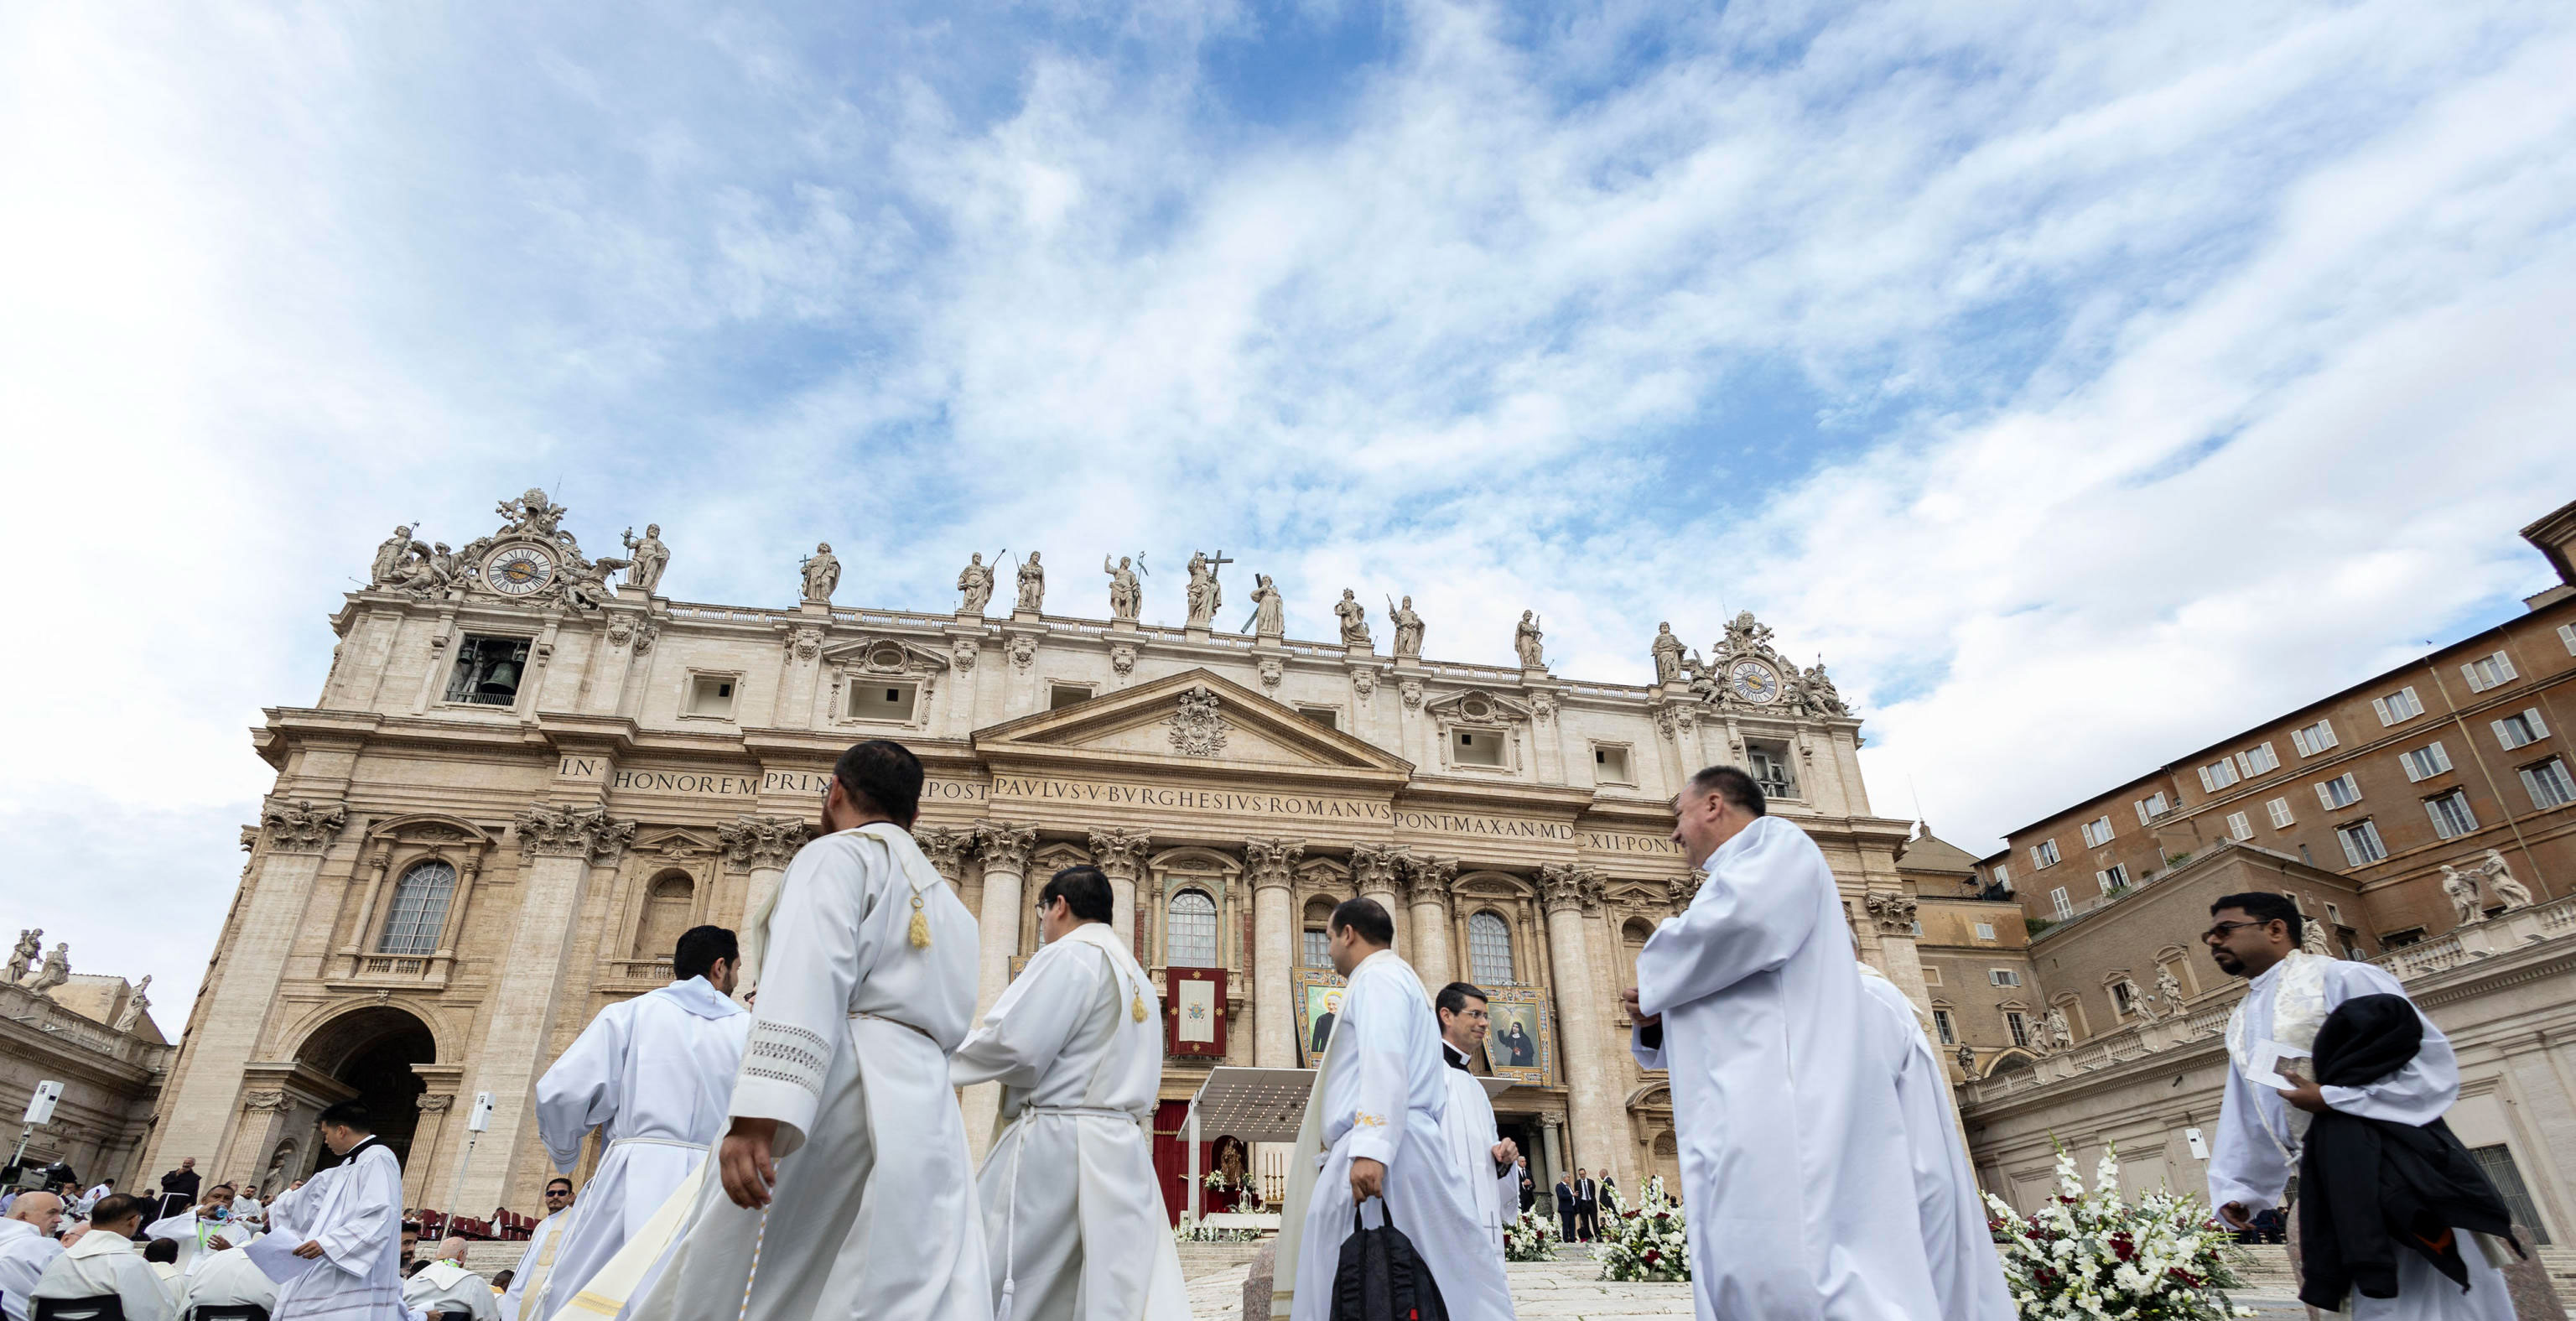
(1327, 716)
(2152, 806)
(2113, 877)
(2425, 762)
(710, 695)
(1610, 764)
(2256, 761)
(1062, 695)
(488, 671)
(2334, 914)
(2313, 739)
(2097, 832)
(871, 700)
(2489, 672)
(2496, 1163)
(2451, 815)
(2003, 874)
(2044, 854)
(1478, 747)
(1941, 1024)
(1769, 763)
(2064, 906)
(2521, 731)
(2361, 846)
(2020, 1030)
(2340, 792)
(2240, 826)
(1319, 949)
(1985, 931)
(2397, 706)
(2567, 636)
(2003, 977)
(2217, 775)
(2548, 784)
(2121, 1004)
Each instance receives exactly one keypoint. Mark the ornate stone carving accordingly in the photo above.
(644, 635)
(1822, 698)
(1126, 591)
(1967, 1061)
(1032, 585)
(2060, 1036)
(1408, 629)
(1364, 681)
(1529, 643)
(819, 574)
(1683, 888)
(946, 849)
(1122, 658)
(264, 1100)
(2312, 937)
(1024, 650)
(1543, 707)
(805, 643)
(57, 969)
(2169, 988)
(975, 583)
(762, 841)
(1564, 886)
(621, 630)
(1205, 592)
(962, 653)
(389, 557)
(135, 1005)
(30, 948)
(1354, 617)
(1426, 878)
(1412, 691)
(646, 557)
(2126, 988)
(1373, 867)
(2462, 887)
(550, 831)
(1269, 608)
(1676, 720)
(1667, 653)
(1120, 854)
(2511, 893)
(1005, 847)
(1272, 864)
(296, 826)
(1272, 672)
(1197, 729)
(1893, 912)
(435, 1102)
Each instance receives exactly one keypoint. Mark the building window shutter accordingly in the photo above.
(2324, 798)
(2205, 785)
(2141, 805)
(2379, 707)
(2470, 673)
(2437, 758)
(2504, 666)
(2280, 808)
(2239, 825)
(2567, 634)
(2504, 735)
(2539, 727)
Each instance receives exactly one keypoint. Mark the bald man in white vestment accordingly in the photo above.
(1794, 1162)
(444, 1285)
(653, 1074)
(2260, 1129)
(1073, 1214)
(1376, 1108)
(1967, 1274)
(1490, 1162)
(843, 1188)
(27, 1247)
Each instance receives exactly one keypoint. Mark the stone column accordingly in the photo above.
(947, 850)
(1373, 876)
(558, 846)
(1274, 950)
(1595, 1125)
(226, 1034)
(1426, 882)
(1893, 914)
(1120, 855)
(1006, 850)
(762, 846)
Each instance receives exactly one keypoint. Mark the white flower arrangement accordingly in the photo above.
(1191, 1231)
(1530, 1236)
(2096, 1255)
(1645, 1242)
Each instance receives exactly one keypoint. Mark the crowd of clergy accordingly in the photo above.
(808, 1157)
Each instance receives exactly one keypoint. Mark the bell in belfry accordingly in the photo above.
(503, 681)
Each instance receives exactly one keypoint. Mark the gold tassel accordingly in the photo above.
(1139, 1007)
(920, 925)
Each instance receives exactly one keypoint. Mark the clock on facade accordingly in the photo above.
(1754, 681)
(519, 570)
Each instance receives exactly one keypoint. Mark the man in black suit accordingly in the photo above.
(1529, 1186)
(1565, 1206)
(1587, 1204)
(179, 1186)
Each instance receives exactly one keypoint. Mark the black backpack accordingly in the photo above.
(1381, 1278)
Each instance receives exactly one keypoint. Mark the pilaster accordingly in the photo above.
(1005, 849)
(1426, 885)
(1593, 1110)
(1120, 855)
(1373, 877)
(1273, 869)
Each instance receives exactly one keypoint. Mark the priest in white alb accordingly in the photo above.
(543, 1243)
(2260, 1127)
(1967, 1275)
(204, 1229)
(444, 1285)
(842, 1187)
(104, 1261)
(228, 1279)
(346, 1220)
(1073, 1213)
(1490, 1161)
(1373, 1133)
(653, 1074)
(1794, 1162)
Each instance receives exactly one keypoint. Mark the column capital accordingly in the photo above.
(757, 842)
(1893, 912)
(1120, 854)
(946, 849)
(1274, 863)
(1373, 867)
(1427, 879)
(1565, 886)
(550, 831)
(1681, 889)
(1006, 847)
(296, 826)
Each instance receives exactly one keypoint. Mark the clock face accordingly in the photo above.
(1754, 682)
(519, 571)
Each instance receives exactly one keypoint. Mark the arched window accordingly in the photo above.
(1189, 937)
(1489, 949)
(419, 910)
(668, 902)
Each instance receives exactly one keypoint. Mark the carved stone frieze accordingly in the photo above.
(805, 643)
(1120, 854)
(1005, 847)
(1893, 912)
(1122, 658)
(1683, 888)
(433, 1102)
(1197, 728)
(1412, 694)
(549, 831)
(1373, 867)
(1676, 720)
(762, 841)
(296, 826)
(1024, 650)
(1564, 886)
(264, 1099)
(1272, 863)
(1272, 672)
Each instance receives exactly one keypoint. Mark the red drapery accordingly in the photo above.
(1172, 1157)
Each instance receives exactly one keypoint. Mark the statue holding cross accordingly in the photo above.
(1206, 594)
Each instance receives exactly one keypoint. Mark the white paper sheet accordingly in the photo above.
(2270, 1060)
(274, 1254)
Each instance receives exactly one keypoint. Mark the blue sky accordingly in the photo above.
(2083, 381)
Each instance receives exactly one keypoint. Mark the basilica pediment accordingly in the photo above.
(1192, 720)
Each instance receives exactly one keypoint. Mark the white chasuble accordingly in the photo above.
(652, 1074)
(1380, 1095)
(2258, 1144)
(102, 1263)
(1073, 1214)
(1967, 1275)
(1795, 1171)
(228, 1279)
(354, 1210)
(873, 1216)
(1467, 1126)
(444, 1286)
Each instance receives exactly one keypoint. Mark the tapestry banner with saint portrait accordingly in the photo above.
(1522, 1043)
(1318, 1001)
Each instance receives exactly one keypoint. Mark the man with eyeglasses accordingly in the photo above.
(543, 1242)
(1492, 1162)
(2262, 1125)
